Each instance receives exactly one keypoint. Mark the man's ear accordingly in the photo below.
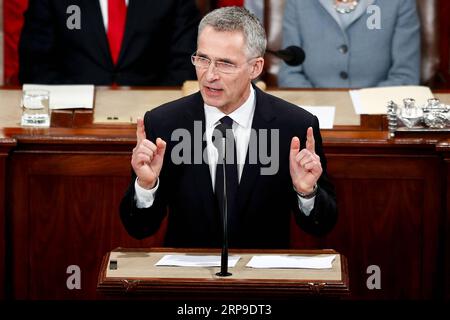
(256, 68)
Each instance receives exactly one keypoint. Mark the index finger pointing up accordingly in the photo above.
(140, 130)
(310, 142)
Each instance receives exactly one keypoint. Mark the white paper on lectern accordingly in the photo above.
(375, 100)
(294, 262)
(67, 96)
(325, 114)
(184, 260)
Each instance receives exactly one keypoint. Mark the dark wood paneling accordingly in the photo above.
(389, 216)
(5, 146)
(444, 147)
(2, 226)
(65, 212)
(446, 249)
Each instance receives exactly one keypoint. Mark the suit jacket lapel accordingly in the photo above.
(94, 19)
(261, 120)
(203, 182)
(360, 10)
(333, 13)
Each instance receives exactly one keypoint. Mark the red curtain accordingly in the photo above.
(12, 25)
(227, 3)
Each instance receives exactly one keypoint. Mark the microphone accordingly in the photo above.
(292, 55)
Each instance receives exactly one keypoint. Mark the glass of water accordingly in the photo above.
(35, 108)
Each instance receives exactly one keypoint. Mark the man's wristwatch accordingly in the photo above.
(308, 195)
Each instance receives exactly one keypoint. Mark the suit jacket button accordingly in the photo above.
(343, 49)
(344, 75)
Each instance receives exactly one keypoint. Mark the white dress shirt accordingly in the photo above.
(104, 8)
(242, 125)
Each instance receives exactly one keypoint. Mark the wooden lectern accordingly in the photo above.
(132, 272)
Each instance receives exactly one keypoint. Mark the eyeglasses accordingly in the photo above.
(221, 66)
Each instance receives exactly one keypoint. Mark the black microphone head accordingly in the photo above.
(294, 55)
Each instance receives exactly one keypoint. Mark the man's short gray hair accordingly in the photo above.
(238, 19)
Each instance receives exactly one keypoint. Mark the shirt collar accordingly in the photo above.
(242, 116)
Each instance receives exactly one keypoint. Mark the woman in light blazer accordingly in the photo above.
(348, 44)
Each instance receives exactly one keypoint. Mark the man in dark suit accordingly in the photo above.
(184, 176)
(104, 42)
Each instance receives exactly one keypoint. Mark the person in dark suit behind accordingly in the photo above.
(104, 42)
(175, 168)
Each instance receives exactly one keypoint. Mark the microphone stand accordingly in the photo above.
(224, 257)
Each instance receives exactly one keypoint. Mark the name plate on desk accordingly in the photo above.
(125, 106)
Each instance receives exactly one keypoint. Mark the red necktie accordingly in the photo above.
(227, 3)
(117, 14)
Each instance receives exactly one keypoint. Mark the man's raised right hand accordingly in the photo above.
(147, 159)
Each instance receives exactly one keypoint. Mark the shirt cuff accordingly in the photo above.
(144, 197)
(306, 205)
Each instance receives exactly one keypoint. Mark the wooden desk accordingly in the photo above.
(63, 187)
(137, 274)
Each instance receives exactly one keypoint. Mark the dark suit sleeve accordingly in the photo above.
(183, 43)
(324, 215)
(142, 223)
(37, 46)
